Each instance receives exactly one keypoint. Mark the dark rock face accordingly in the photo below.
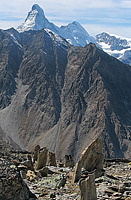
(12, 187)
(66, 96)
(10, 59)
(42, 69)
(94, 99)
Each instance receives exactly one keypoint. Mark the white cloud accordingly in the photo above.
(126, 4)
(94, 29)
(8, 24)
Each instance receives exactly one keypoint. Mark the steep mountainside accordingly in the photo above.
(10, 58)
(74, 33)
(6, 142)
(116, 46)
(64, 96)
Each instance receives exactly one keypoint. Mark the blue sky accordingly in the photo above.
(113, 16)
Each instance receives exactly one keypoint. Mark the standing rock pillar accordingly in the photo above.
(42, 159)
(88, 188)
(51, 159)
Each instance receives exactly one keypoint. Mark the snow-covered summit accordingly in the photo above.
(35, 20)
(116, 46)
(74, 33)
(78, 33)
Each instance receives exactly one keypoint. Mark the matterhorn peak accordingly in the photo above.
(35, 20)
(74, 33)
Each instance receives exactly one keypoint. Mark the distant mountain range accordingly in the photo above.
(76, 35)
(60, 95)
(116, 46)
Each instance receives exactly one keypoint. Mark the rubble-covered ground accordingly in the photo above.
(115, 183)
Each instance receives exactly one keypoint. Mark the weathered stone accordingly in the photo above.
(88, 188)
(31, 176)
(12, 187)
(36, 153)
(42, 172)
(52, 159)
(77, 171)
(28, 164)
(62, 181)
(121, 188)
(16, 162)
(69, 162)
(42, 159)
(91, 159)
(29, 157)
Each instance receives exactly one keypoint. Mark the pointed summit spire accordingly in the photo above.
(38, 8)
(35, 20)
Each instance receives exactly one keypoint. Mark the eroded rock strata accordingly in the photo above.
(63, 97)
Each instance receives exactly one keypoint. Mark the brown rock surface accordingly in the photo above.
(88, 188)
(42, 172)
(42, 159)
(91, 159)
(51, 159)
(36, 153)
(65, 97)
(12, 187)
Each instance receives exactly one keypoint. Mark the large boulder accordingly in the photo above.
(12, 186)
(91, 159)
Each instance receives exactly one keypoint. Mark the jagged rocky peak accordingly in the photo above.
(36, 12)
(35, 20)
(38, 8)
(116, 42)
(74, 33)
(115, 45)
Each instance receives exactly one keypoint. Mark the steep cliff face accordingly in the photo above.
(42, 69)
(96, 101)
(10, 59)
(65, 97)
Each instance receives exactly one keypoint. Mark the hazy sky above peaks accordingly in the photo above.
(113, 16)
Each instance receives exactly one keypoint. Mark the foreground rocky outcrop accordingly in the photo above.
(88, 188)
(91, 159)
(17, 181)
(63, 97)
(12, 186)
